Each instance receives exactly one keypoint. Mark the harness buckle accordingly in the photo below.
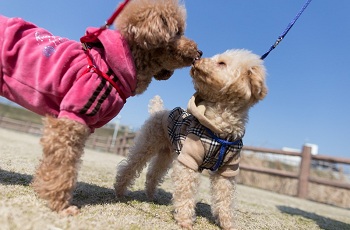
(85, 46)
(91, 68)
(105, 26)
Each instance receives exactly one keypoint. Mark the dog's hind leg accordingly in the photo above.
(186, 183)
(56, 176)
(147, 143)
(157, 169)
(223, 197)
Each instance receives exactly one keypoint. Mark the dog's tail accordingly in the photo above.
(155, 105)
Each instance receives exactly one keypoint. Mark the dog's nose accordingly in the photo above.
(200, 53)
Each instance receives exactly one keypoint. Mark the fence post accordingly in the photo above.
(109, 141)
(93, 142)
(117, 145)
(304, 172)
(124, 144)
(27, 127)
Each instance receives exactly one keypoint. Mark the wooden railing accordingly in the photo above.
(122, 144)
(21, 126)
(304, 172)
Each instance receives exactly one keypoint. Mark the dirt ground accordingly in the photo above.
(20, 208)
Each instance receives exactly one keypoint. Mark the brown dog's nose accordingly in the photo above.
(200, 53)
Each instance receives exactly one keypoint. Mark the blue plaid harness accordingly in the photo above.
(217, 151)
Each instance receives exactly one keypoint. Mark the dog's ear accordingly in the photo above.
(154, 31)
(257, 82)
(151, 24)
(163, 75)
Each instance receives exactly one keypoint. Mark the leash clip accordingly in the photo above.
(105, 26)
(286, 30)
(277, 42)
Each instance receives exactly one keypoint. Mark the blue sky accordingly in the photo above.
(308, 78)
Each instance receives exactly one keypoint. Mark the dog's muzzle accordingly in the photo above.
(200, 53)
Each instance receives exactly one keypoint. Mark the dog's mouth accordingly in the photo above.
(199, 55)
(163, 75)
(194, 61)
(195, 64)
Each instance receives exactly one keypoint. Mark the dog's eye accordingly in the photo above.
(222, 63)
(179, 33)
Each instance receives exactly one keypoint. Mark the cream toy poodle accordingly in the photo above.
(206, 136)
(80, 89)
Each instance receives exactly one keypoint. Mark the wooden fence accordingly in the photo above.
(122, 144)
(21, 126)
(304, 171)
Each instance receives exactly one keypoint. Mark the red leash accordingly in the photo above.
(92, 37)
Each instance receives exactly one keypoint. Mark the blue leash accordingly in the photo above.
(222, 150)
(279, 39)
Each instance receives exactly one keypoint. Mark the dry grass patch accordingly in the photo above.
(21, 209)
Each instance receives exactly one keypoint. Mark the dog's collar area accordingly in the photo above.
(224, 145)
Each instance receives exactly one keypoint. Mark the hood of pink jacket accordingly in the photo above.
(118, 57)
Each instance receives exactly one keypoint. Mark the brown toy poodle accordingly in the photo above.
(79, 90)
(206, 136)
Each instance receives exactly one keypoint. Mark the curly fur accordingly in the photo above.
(223, 195)
(136, 160)
(154, 30)
(155, 33)
(229, 84)
(186, 182)
(55, 178)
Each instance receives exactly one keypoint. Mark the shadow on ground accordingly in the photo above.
(13, 178)
(90, 194)
(204, 210)
(323, 222)
(83, 194)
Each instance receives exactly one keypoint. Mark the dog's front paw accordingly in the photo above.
(70, 211)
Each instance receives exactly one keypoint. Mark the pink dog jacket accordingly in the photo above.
(40, 72)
